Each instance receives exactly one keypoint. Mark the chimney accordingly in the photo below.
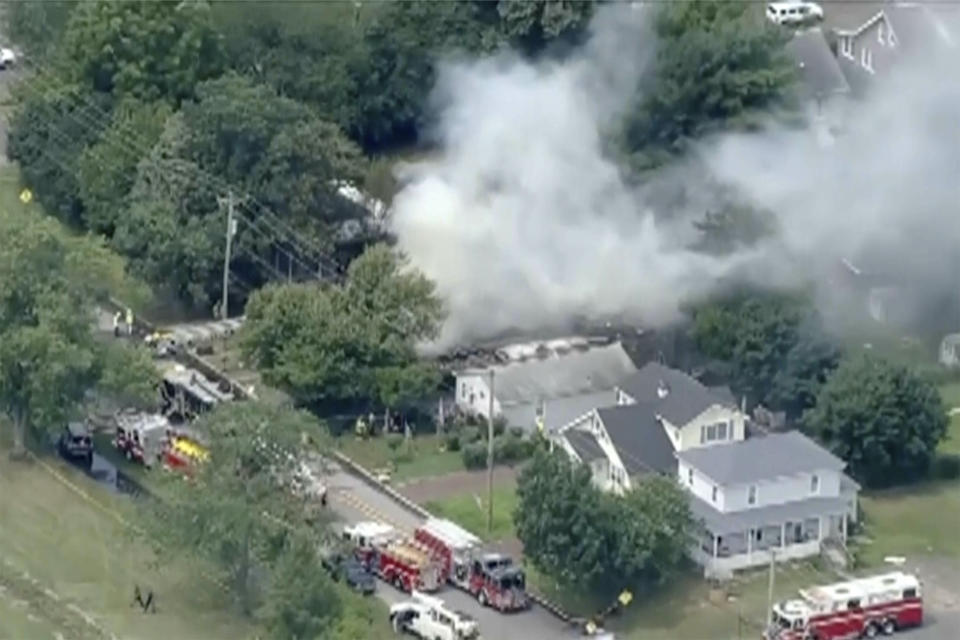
(662, 390)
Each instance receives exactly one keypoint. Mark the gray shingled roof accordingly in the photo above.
(819, 68)
(756, 459)
(571, 374)
(687, 398)
(639, 439)
(586, 446)
(559, 412)
(719, 523)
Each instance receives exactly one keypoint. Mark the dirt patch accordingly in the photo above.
(457, 483)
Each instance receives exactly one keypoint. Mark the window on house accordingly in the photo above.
(730, 428)
(713, 494)
(690, 477)
(722, 431)
(846, 46)
(752, 495)
(866, 59)
(759, 535)
(814, 483)
(463, 390)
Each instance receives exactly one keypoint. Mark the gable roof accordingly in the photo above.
(586, 446)
(558, 412)
(686, 398)
(640, 440)
(560, 375)
(819, 68)
(760, 458)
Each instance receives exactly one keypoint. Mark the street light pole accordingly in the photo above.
(490, 459)
(229, 201)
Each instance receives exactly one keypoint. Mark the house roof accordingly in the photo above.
(640, 440)
(558, 412)
(819, 68)
(719, 523)
(686, 398)
(556, 376)
(586, 446)
(778, 454)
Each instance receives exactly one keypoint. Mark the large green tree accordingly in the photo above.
(153, 50)
(717, 65)
(533, 24)
(50, 283)
(354, 342)
(36, 27)
(582, 537)
(884, 420)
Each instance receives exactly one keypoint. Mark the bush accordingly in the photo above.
(474, 455)
(509, 449)
(516, 432)
(946, 467)
(499, 426)
(453, 442)
(469, 435)
(394, 440)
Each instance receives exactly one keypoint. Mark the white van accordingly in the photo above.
(794, 13)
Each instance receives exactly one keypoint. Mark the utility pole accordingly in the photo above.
(229, 202)
(490, 460)
(773, 564)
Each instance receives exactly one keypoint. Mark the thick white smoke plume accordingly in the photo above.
(524, 221)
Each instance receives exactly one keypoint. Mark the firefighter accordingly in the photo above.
(116, 325)
(361, 427)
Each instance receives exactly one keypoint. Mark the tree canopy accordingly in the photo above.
(583, 537)
(881, 418)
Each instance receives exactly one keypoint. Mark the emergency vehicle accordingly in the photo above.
(862, 608)
(406, 564)
(141, 437)
(184, 453)
(492, 578)
(429, 618)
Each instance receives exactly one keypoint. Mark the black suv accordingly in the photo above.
(354, 574)
(76, 442)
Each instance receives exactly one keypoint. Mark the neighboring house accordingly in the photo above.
(781, 494)
(657, 412)
(871, 43)
(823, 85)
(547, 385)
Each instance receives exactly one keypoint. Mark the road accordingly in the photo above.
(355, 500)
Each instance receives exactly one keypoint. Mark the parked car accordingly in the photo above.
(794, 13)
(76, 442)
(354, 574)
(8, 57)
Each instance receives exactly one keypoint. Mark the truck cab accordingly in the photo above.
(429, 618)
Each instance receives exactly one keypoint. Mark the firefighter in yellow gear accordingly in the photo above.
(361, 427)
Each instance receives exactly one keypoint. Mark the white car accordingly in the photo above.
(794, 13)
(428, 618)
(8, 57)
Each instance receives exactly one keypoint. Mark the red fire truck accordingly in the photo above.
(492, 578)
(141, 437)
(862, 608)
(406, 564)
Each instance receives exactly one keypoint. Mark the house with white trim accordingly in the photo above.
(780, 494)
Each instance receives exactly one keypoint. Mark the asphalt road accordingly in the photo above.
(354, 500)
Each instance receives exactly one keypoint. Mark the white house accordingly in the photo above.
(657, 411)
(550, 383)
(782, 494)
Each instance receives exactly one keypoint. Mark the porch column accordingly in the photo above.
(843, 528)
(715, 544)
(750, 533)
(783, 535)
(819, 528)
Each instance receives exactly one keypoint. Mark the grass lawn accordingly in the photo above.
(421, 457)
(73, 547)
(950, 392)
(470, 512)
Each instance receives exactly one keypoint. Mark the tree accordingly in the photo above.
(350, 343)
(37, 27)
(717, 65)
(300, 602)
(236, 513)
(882, 419)
(774, 344)
(49, 359)
(534, 23)
(149, 50)
(583, 537)
(731, 228)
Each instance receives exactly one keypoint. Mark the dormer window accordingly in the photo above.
(814, 483)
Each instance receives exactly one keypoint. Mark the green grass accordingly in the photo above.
(421, 457)
(470, 512)
(950, 392)
(19, 620)
(75, 547)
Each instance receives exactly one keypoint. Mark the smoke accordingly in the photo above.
(525, 221)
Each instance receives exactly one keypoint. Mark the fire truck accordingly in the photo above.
(861, 608)
(406, 564)
(492, 578)
(141, 437)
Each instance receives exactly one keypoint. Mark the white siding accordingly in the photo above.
(780, 490)
(702, 486)
(690, 433)
(473, 395)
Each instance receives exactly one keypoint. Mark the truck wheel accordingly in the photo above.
(870, 631)
(889, 627)
(482, 597)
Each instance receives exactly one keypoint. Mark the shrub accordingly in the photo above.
(453, 442)
(946, 467)
(394, 440)
(516, 432)
(509, 449)
(474, 455)
(470, 434)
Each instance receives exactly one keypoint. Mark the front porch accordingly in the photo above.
(730, 542)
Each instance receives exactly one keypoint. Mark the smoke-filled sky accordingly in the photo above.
(524, 222)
